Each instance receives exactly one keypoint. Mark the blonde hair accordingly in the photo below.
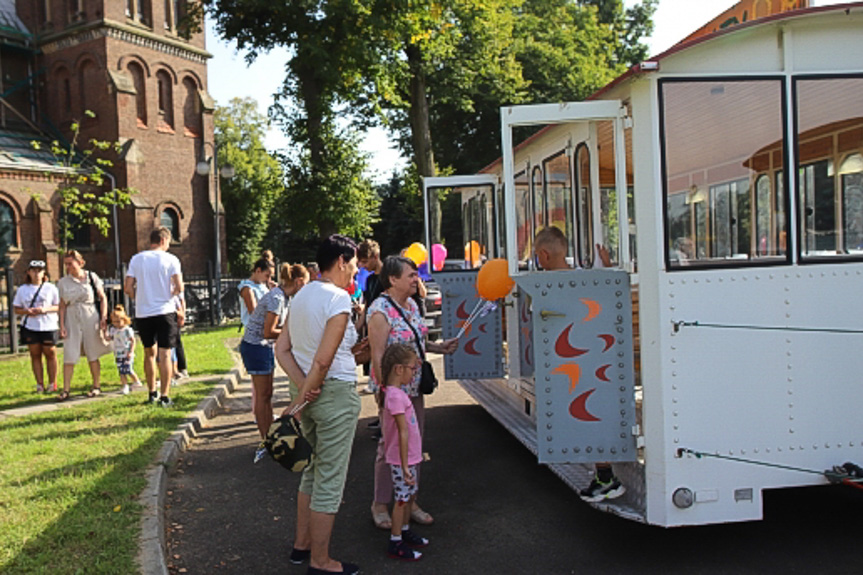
(395, 354)
(120, 313)
(289, 273)
(75, 255)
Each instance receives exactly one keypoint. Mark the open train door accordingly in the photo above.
(579, 321)
(462, 225)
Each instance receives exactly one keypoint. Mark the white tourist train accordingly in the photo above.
(720, 356)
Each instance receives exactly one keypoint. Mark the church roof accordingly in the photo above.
(10, 23)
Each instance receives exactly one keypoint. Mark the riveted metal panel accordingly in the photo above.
(582, 341)
(480, 349)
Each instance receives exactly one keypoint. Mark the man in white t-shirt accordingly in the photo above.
(153, 280)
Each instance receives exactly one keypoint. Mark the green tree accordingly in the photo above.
(250, 196)
(82, 201)
(344, 201)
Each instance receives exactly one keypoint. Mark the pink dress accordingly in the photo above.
(397, 402)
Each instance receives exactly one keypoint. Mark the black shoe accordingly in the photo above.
(153, 397)
(599, 490)
(400, 550)
(165, 401)
(300, 556)
(347, 569)
(412, 539)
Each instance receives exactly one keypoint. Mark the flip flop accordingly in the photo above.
(64, 395)
(95, 392)
(381, 518)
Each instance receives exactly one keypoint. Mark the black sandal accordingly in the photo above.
(95, 392)
(64, 395)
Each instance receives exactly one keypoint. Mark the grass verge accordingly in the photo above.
(205, 351)
(70, 479)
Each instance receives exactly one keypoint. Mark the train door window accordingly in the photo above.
(719, 136)
(524, 231)
(558, 193)
(584, 207)
(830, 165)
(851, 186)
(538, 199)
(731, 216)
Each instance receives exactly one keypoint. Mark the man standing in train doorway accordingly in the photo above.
(550, 250)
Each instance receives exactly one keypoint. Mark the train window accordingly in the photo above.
(723, 146)
(830, 166)
(538, 198)
(558, 195)
(584, 207)
(524, 237)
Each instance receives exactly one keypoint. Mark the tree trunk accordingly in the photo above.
(315, 108)
(421, 135)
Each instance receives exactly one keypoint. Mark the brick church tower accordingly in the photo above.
(139, 68)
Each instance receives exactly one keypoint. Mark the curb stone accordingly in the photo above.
(152, 558)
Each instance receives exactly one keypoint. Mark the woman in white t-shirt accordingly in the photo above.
(316, 349)
(37, 301)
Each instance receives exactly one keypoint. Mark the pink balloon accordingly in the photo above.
(438, 256)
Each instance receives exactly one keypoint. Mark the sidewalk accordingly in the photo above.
(77, 398)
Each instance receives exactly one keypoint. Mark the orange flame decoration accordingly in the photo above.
(572, 371)
(593, 309)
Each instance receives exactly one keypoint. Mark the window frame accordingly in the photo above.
(802, 259)
(14, 243)
(173, 213)
(584, 258)
(753, 261)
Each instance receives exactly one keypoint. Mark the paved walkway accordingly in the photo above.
(51, 404)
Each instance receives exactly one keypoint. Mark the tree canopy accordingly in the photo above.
(250, 196)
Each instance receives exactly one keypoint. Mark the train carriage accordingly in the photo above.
(718, 356)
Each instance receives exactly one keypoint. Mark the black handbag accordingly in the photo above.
(96, 299)
(428, 379)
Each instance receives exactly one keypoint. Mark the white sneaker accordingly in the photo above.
(125, 390)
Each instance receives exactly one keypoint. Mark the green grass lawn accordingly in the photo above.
(205, 354)
(70, 478)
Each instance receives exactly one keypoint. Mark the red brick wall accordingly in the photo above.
(161, 161)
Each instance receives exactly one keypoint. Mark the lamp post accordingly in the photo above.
(227, 172)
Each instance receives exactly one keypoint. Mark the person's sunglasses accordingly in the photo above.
(37, 264)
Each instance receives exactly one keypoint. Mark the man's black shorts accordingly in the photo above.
(29, 336)
(161, 329)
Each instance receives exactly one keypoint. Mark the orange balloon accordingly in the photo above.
(472, 253)
(493, 281)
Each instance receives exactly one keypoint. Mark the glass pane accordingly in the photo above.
(538, 203)
(829, 144)
(720, 138)
(467, 233)
(558, 193)
(524, 234)
(584, 202)
(7, 225)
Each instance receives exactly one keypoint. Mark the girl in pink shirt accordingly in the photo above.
(402, 445)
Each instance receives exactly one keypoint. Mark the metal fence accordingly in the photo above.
(200, 293)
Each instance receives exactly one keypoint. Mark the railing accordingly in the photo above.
(200, 293)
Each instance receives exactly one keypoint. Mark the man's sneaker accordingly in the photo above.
(184, 374)
(599, 490)
(153, 397)
(300, 556)
(259, 455)
(125, 390)
(400, 550)
(165, 401)
(412, 539)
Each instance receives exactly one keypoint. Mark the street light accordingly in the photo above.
(227, 172)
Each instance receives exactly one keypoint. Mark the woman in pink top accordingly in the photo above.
(402, 445)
